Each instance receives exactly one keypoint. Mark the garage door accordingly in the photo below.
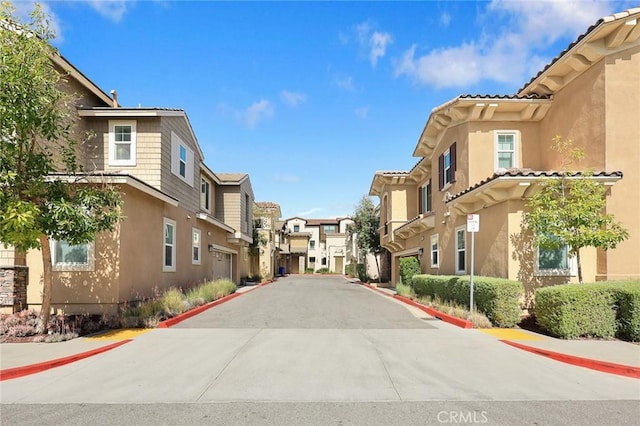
(221, 265)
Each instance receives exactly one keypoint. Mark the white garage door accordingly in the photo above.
(221, 265)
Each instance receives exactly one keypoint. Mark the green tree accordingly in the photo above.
(366, 222)
(570, 210)
(44, 193)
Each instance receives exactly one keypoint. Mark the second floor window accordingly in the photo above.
(506, 150)
(182, 159)
(329, 229)
(447, 167)
(296, 228)
(122, 143)
(424, 198)
(312, 244)
(205, 195)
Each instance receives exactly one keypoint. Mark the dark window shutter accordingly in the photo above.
(429, 200)
(441, 172)
(452, 150)
(420, 200)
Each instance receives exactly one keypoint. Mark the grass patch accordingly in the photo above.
(478, 319)
(405, 290)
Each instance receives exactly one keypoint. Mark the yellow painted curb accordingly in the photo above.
(122, 334)
(511, 334)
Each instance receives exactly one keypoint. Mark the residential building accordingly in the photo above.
(182, 223)
(486, 155)
(267, 217)
(313, 244)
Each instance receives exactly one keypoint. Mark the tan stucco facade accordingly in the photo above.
(590, 95)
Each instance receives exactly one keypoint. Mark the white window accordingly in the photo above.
(461, 261)
(122, 143)
(68, 257)
(448, 171)
(196, 246)
(182, 159)
(205, 195)
(169, 254)
(425, 198)
(506, 149)
(435, 252)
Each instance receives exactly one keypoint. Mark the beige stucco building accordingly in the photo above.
(182, 223)
(485, 155)
(313, 244)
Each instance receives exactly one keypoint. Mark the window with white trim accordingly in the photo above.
(312, 244)
(205, 194)
(506, 149)
(122, 143)
(169, 253)
(182, 158)
(70, 257)
(296, 228)
(435, 252)
(196, 246)
(461, 250)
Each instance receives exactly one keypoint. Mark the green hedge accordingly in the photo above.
(497, 298)
(409, 266)
(605, 310)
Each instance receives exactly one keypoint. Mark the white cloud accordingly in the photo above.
(113, 10)
(293, 99)
(257, 112)
(509, 55)
(379, 42)
(362, 112)
(23, 12)
(310, 212)
(344, 82)
(445, 19)
(374, 43)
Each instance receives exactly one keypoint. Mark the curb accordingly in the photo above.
(603, 366)
(459, 322)
(193, 312)
(13, 373)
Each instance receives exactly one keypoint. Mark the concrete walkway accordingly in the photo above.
(19, 359)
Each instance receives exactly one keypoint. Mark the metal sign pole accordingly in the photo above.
(473, 234)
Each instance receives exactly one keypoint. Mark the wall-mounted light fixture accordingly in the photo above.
(210, 248)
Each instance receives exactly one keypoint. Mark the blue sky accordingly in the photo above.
(311, 98)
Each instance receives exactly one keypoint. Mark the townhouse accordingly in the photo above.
(182, 223)
(313, 244)
(486, 154)
(267, 222)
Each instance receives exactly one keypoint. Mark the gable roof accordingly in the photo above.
(610, 34)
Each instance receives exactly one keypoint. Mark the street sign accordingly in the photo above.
(473, 223)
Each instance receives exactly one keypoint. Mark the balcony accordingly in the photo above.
(421, 223)
(388, 240)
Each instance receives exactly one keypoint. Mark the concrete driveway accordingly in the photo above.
(321, 340)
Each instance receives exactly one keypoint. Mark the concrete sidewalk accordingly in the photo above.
(611, 356)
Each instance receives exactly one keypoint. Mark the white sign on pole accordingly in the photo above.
(473, 223)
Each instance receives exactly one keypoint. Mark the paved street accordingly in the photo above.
(318, 350)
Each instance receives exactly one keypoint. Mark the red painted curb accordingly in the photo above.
(593, 364)
(462, 323)
(12, 373)
(186, 315)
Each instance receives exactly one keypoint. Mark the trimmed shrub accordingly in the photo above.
(497, 298)
(576, 310)
(324, 270)
(362, 273)
(627, 301)
(409, 266)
